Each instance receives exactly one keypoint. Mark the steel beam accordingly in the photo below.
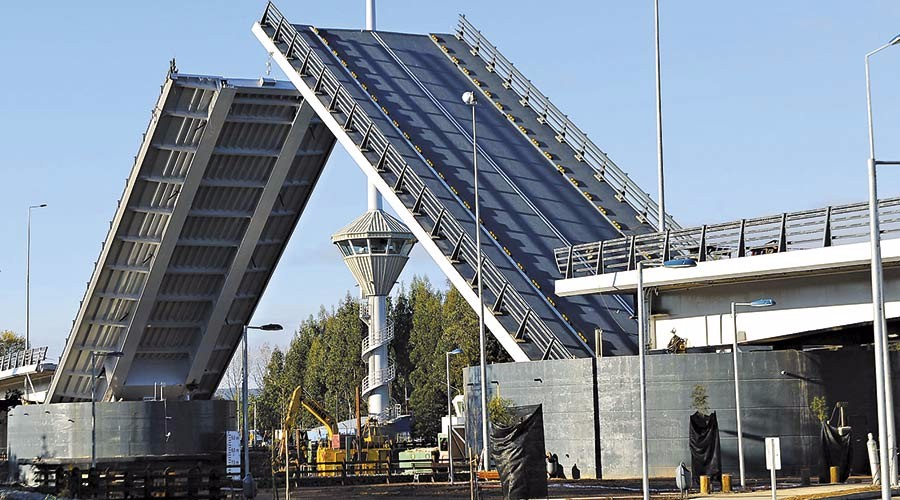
(219, 110)
(249, 242)
(104, 251)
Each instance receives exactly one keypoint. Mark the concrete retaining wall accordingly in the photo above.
(565, 388)
(592, 411)
(126, 431)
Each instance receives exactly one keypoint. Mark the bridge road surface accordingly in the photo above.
(525, 202)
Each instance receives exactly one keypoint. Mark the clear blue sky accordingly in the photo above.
(764, 109)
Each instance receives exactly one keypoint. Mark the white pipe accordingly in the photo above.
(375, 202)
(370, 15)
(661, 224)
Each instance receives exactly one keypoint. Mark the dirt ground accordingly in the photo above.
(619, 490)
(585, 488)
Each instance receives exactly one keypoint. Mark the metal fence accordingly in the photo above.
(804, 230)
(566, 131)
(426, 205)
(18, 359)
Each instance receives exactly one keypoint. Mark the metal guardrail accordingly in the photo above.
(426, 206)
(381, 377)
(804, 230)
(566, 131)
(380, 338)
(17, 359)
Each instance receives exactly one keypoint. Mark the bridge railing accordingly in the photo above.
(566, 131)
(24, 357)
(427, 206)
(823, 227)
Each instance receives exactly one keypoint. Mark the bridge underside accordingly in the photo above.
(221, 179)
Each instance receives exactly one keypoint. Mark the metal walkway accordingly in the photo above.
(222, 176)
(393, 100)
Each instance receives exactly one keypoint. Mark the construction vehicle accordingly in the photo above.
(329, 453)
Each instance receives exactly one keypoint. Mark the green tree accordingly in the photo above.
(11, 342)
(427, 399)
(401, 314)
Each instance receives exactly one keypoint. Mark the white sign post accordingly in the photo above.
(773, 459)
(233, 454)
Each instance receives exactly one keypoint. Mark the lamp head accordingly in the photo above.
(680, 263)
(114, 354)
(455, 351)
(469, 98)
(762, 303)
(272, 327)
(895, 40)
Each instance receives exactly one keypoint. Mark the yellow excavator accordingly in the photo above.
(330, 454)
(326, 454)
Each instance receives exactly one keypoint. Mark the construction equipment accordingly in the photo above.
(328, 455)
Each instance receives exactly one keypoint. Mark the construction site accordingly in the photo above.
(586, 317)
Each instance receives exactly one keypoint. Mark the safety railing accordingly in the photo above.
(566, 131)
(378, 339)
(380, 377)
(426, 205)
(18, 359)
(804, 230)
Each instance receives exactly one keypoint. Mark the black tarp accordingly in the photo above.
(836, 451)
(706, 455)
(518, 451)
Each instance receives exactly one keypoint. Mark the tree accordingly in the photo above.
(270, 398)
(428, 395)
(11, 342)
(400, 314)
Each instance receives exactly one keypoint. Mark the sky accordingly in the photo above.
(763, 104)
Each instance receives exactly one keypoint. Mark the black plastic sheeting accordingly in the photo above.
(706, 454)
(836, 451)
(518, 451)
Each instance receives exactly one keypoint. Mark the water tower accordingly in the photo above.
(375, 247)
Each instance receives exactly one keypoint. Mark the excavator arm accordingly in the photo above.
(317, 411)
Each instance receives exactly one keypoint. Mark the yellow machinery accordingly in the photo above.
(374, 448)
(326, 456)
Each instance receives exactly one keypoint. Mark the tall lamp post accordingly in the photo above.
(884, 397)
(94, 375)
(249, 484)
(737, 386)
(454, 352)
(641, 317)
(469, 99)
(28, 277)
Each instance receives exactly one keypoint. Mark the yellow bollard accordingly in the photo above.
(704, 485)
(726, 483)
(833, 472)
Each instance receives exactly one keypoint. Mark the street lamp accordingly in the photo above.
(884, 397)
(469, 99)
(249, 485)
(454, 352)
(672, 264)
(94, 375)
(28, 278)
(737, 386)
